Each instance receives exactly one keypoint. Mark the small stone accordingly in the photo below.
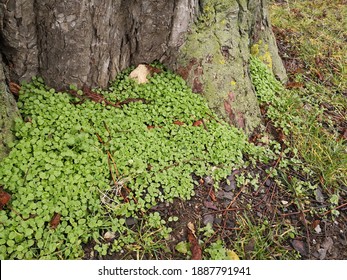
(208, 219)
(318, 229)
(220, 194)
(319, 195)
(109, 236)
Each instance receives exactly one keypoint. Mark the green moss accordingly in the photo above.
(220, 56)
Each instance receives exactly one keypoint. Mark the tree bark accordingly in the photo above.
(215, 57)
(88, 42)
(8, 113)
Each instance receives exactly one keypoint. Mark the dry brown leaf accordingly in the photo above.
(210, 205)
(299, 246)
(140, 73)
(55, 220)
(178, 123)
(194, 242)
(14, 88)
(191, 227)
(197, 123)
(4, 198)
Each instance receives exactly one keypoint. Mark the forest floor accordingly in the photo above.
(282, 220)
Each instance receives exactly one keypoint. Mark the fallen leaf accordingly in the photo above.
(343, 135)
(109, 236)
(319, 195)
(194, 243)
(197, 123)
(208, 219)
(325, 247)
(318, 229)
(319, 75)
(139, 74)
(4, 198)
(315, 223)
(14, 88)
(328, 243)
(191, 227)
(208, 180)
(55, 220)
(220, 194)
(294, 85)
(299, 246)
(232, 255)
(178, 123)
(210, 205)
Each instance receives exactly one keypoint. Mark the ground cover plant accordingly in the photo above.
(81, 168)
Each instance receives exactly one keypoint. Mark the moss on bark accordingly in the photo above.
(215, 59)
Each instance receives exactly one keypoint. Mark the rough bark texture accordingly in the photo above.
(8, 112)
(89, 42)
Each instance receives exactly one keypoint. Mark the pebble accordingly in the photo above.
(208, 219)
(318, 229)
(228, 195)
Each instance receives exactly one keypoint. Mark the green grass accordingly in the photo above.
(261, 240)
(315, 32)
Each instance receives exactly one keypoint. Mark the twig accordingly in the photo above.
(295, 213)
(308, 239)
(204, 124)
(234, 199)
(335, 208)
(267, 177)
(114, 164)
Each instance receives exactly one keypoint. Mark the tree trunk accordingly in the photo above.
(8, 112)
(215, 57)
(88, 42)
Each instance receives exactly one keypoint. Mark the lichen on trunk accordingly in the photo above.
(215, 59)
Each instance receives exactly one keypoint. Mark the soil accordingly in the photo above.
(318, 238)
